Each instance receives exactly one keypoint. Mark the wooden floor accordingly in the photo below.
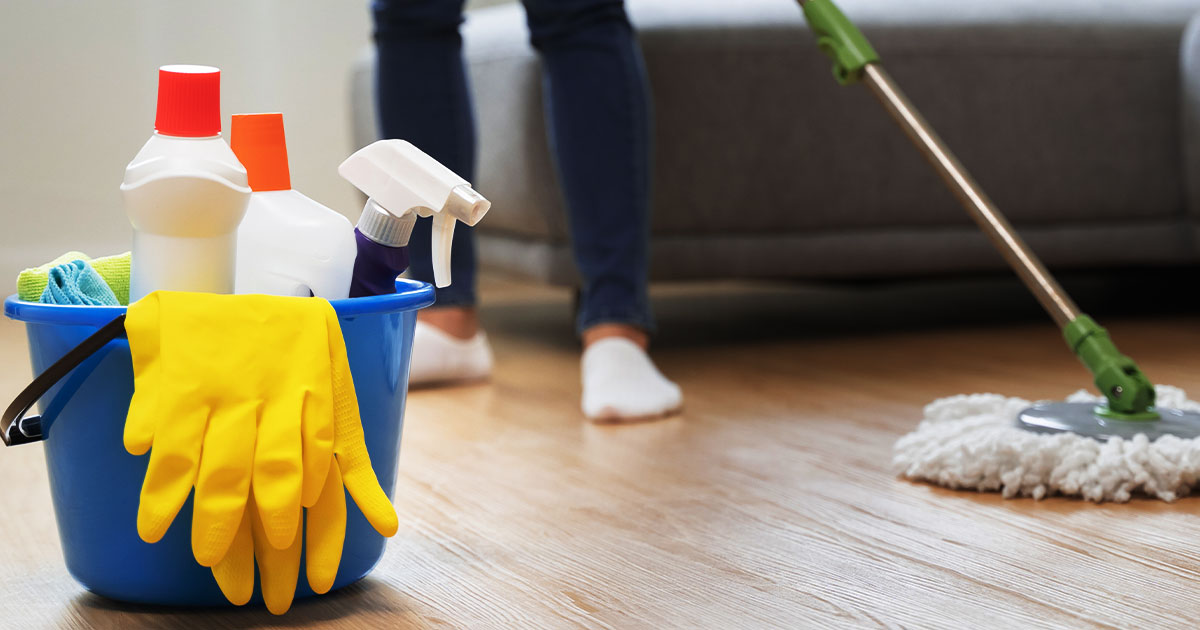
(768, 504)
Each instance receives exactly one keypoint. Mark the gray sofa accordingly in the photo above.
(1080, 117)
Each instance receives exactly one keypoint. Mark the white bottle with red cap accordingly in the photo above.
(185, 192)
(288, 244)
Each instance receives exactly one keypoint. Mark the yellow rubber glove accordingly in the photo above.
(279, 569)
(349, 445)
(231, 392)
(325, 534)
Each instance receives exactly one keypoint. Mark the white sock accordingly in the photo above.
(439, 357)
(620, 382)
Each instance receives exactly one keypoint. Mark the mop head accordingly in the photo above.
(971, 441)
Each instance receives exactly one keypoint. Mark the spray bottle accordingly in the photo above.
(288, 244)
(403, 183)
(185, 192)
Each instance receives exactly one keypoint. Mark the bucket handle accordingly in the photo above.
(15, 427)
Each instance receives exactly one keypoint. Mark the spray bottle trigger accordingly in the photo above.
(443, 239)
(463, 204)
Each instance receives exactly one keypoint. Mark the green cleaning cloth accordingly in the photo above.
(77, 283)
(31, 283)
(115, 271)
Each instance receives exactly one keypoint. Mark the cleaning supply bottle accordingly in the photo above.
(382, 239)
(288, 244)
(403, 183)
(185, 192)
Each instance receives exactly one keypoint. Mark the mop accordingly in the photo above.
(1134, 439)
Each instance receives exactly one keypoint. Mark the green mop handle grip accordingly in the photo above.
(1130, 394)
(839, 39)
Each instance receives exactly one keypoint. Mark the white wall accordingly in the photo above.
(77, 101)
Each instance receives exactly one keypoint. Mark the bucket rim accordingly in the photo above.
(410, 295)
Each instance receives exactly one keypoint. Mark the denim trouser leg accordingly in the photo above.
(421, 86)
(599, 128)
(598, 110)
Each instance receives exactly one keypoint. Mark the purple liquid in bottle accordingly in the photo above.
(376, 267)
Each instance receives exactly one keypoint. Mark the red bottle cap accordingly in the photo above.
(189, 101)
(257, 141)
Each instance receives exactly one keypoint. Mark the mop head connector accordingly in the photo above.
(973, 442)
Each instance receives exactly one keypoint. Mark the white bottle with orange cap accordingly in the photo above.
(185, 192)
(288, 244)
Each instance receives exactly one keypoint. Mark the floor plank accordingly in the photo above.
(769, 504)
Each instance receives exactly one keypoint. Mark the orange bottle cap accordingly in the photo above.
(257, 140)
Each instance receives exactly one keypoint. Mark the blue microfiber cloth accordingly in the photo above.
(77, 283)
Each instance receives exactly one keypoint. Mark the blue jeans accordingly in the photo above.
(599, 127)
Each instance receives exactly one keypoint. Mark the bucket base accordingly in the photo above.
(202, 598)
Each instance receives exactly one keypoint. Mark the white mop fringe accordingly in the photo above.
(970, 441)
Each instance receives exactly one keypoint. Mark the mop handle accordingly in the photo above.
(1130, 394)
(855, 60)
(997, 228)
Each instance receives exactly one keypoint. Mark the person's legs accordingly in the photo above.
(599, 126)
(423, 97)
(598, 123)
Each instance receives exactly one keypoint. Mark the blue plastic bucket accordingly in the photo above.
(95, 483)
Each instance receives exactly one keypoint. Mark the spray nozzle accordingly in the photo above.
(403, 181)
